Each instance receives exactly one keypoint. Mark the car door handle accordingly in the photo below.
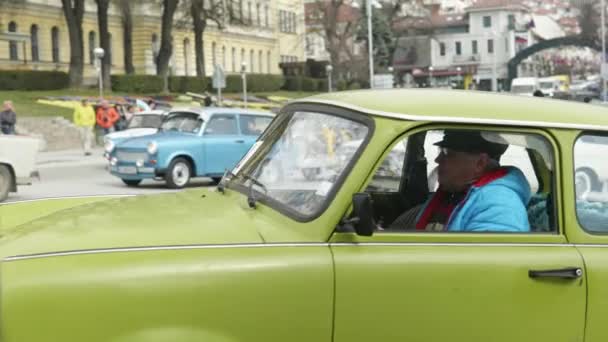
(239, 141)
(563, 273)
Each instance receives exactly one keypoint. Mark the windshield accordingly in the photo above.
(522, 89)
(189, 123)
(302, 158)
(546, 85)
(145, 121)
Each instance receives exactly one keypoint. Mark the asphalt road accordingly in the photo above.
(71, 173)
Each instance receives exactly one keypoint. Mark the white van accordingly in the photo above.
(549, 85)
(525, 86)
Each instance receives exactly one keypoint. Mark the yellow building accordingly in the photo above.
(34, 36)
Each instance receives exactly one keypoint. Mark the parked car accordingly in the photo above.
(285, 258)
(143, 123)
(525, 86)
(190, 143)
(17, 162)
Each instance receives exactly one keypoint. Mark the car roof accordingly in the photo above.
(152, 112)
(467, 106)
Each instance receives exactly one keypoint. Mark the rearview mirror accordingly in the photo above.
(363, 214)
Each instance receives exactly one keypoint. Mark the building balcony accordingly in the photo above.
(467, 59)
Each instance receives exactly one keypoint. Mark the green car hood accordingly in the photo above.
(184, 218)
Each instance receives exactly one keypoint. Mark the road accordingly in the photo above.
(71, 173)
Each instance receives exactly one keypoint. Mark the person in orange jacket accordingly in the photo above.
(106, 117)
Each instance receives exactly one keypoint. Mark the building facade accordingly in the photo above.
(267, 32)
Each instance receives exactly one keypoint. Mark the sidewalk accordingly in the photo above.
(73, 157)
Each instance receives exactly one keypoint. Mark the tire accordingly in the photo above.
(178, 174)
(131, 182)
(6, 182)
(586, 181)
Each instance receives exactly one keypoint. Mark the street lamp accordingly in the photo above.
(244, 76)
(431, 76)
(459, 77)
(99, 53)
(328, 70)
(604, 67)
(370, 43)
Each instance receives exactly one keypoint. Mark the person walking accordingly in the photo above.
(84, 118)
(8, 118)
(107, 117)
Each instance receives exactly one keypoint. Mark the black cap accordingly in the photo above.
(471, 141)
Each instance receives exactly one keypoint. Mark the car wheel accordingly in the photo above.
(586, 181)
(179, 173)
(6, 181)
(131, 182)
(310, 173)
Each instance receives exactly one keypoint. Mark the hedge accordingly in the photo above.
(33, 80)
(183, 84)
(300, 83)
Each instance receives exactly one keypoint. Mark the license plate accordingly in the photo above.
(127, 169)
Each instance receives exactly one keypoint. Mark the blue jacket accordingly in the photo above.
(496, 204)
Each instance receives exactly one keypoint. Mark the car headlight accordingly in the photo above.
(109, 146)
(152, 147)
(113, 161)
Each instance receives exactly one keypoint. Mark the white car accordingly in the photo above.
(17, 162)
(143, 123)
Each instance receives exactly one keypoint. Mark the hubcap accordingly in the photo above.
(583, 185)
(181, 174)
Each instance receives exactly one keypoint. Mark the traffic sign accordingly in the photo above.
(219, 77)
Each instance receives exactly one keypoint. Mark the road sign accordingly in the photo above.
(605, 71)
(219, 77)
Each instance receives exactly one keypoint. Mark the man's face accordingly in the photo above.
(457, 169)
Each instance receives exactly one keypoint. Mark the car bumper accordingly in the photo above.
(28, 180)
(133, 172)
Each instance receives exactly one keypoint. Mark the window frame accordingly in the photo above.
(559, 228)
(216, 116)
(487, 21)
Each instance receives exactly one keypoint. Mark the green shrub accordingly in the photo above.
(354, 86)
(300, 83)
(342, 85)
(310, 84)
(322, 85)
(143, 84)
(184, 84)
(33, 80)
(255, 83)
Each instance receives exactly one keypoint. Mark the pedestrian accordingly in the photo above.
(84, 118)
(107, 117)
(207, 100)
(131, 110)
(8, 118)
(151, 104)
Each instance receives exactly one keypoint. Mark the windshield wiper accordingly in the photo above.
(227, 177)
(251, 200)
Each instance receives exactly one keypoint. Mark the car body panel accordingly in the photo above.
(19, 152)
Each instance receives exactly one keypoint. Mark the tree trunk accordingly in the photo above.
(73, 17)
(166, 41)
(127, 26)
(104, 40)
(199, 28)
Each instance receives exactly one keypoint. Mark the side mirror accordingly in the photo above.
(363, 214)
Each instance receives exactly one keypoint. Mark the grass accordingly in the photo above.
(26, 105)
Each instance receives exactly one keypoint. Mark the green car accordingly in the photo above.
(315, 235)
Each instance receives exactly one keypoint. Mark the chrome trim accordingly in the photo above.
(158, 248)
(449, 244)
(66, 197)
(451, 119)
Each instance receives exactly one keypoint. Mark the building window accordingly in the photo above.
(260, 62)
(251, 61)
(487, 21)
(442, 49)
(110, 59)
(55, 43)
(490, 45)
(34, 43)
(258, 12)
(12, 44)
(186, 55)
(243, 58)
(213, 54)
(92, 47)
(269, 62)
(267, 16)
(474, 47)
(458, 48)
(511, 22)
(310, 46)
(233, 59)
(224, 57)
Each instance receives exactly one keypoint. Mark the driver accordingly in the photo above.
(475, 193)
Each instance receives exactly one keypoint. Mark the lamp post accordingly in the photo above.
(99, 53)
(244, 76)
(328, 70)
(431, 76)
(604, 71)
(458, 71)
(370, 43)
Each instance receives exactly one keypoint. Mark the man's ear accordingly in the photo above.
(482, 163)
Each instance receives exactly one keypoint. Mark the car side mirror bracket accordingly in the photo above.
(362, 219)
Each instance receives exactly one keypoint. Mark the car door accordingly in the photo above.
(410, 285)
(224, 145)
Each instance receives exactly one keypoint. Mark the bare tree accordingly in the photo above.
(127, 33)
(201, 13)
(104, 41)
(166, 42)
(73, 10)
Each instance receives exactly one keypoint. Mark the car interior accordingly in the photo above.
(398, 195)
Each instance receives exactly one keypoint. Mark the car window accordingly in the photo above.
(590, 174)
(183, 122)
(145, 121)
(409, 178)
(222, 124)
(253, 124)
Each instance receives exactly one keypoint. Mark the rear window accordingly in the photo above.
(590, 173)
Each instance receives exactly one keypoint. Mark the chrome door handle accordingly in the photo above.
(563, 273)
(239, 141)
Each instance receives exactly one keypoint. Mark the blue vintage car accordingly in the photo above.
(190, 143)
